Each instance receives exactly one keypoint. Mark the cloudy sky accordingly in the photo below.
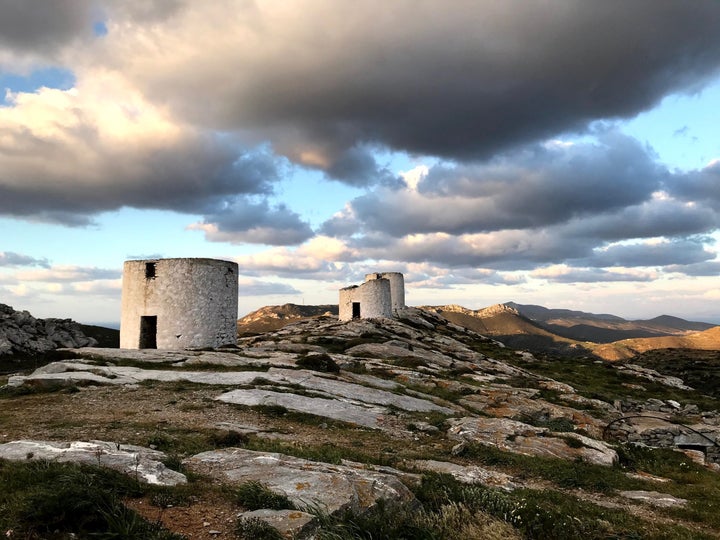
(555, 152)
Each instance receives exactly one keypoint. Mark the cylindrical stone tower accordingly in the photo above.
(179, 303)
(369, 300)
(397, 286)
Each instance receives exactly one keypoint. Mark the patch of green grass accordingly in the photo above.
(29, 388)
(539, 419)
(179, 443)
(545, 514)
(253, 495)
(274, 411)
(563, 473)
(326, 452)
(384, 521)
(256, 529)
(44, 500)
(408, 362)
(690, 481)
(601, 380)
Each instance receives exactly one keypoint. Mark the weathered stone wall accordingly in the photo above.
(397, 287)
(374, 296)
(195, 302)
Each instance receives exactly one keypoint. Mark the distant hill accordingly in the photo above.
(105, 337)
(577, 333)
(620, 350)
(534, 328)
(506, 324)
(605, 328)
(271, 318)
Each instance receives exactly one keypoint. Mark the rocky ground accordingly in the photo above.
(340, 416)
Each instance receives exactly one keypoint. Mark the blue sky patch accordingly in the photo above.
(51, 77)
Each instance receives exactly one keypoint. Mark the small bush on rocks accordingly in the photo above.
(256, 529)
(318, 362)
(255, 495)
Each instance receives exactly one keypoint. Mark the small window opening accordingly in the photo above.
(356, 310)
(149, 270)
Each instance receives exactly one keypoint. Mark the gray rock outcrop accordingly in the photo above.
(332, 488)
(136, 461)
(23, 334)
(518, 437)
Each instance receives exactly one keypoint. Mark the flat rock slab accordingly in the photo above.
(78, 371)
(654, 498)
(514, 436)
(236, 357)
(293, 524)
(332, 488)
(467, 475)
(136, 461)
(362, 415)
(394, 352)
(311, 381)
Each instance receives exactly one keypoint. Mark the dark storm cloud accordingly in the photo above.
(188, 176)
(534, 186)
(709, 268)
(702, 185)
(679, 251)
(504, 250)
(653, 218)
(39, 27)
(458, 79)
(9, 258)
(357, 167)
(241, 220)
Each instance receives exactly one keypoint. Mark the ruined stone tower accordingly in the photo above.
(397, 286)
(381, 295)
(179, 303)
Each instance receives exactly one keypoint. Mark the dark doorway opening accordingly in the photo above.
(356, 310)
(148, 332)
(149, 270)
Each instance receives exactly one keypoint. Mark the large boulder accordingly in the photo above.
(143, 464)
(331, 488)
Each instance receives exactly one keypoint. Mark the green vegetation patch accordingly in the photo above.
(254, 528)
(253, 495)
(601, 380)
(545, 514)
(44, 500)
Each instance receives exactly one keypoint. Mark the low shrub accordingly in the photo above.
(48, 500)
(254, 495)
(318, 362)
(256, 529)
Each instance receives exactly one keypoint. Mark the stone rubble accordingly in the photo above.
(23, 334)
